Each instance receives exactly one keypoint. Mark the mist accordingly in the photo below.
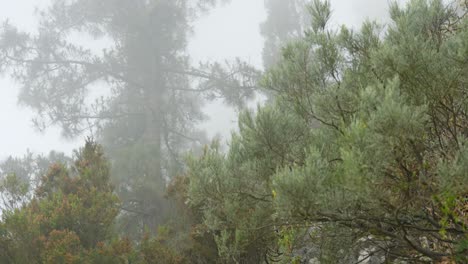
(215, 37)
(233, 131)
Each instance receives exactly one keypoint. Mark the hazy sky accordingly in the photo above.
(227, 32)
(233, 30)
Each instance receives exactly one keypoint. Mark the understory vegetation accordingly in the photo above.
(359, 154)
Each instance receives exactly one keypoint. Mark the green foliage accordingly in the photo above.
(364, 148)
(62, 247)
(186, 232)
(234, 190)
(71, 219)
(20, 175)
(139, 95)
(72, 211)
(13, 191)
(156, 251)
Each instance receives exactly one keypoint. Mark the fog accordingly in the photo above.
(229, 31)
(233, 131)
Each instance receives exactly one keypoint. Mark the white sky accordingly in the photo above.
(227, 32)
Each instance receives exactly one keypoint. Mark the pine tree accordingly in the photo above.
(363, 150)
(137, 95)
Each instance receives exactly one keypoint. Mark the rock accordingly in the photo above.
(314, 261)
